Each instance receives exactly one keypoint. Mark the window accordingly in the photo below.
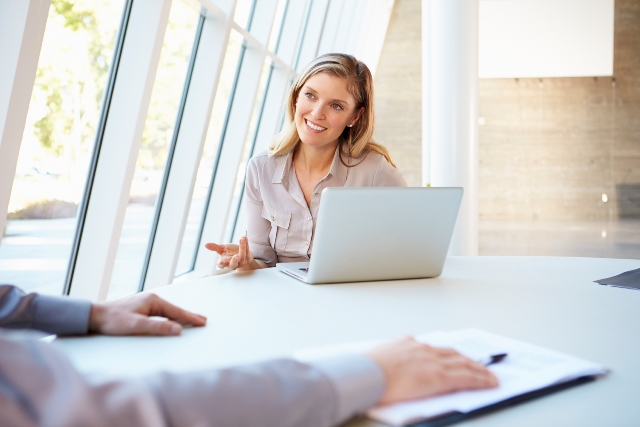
(235, 227)
(57, 144)
(152, 156)
(244, 12)
(210, 154)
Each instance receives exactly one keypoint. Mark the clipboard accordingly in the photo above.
(456, 417)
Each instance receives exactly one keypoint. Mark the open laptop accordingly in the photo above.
(382, 233)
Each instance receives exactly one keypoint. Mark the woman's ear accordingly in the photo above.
(357, 116)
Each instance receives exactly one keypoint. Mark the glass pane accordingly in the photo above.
(152, 156)
(209, 155)
(243, 13)
(57, 144)
(235, 226)
(277, 26)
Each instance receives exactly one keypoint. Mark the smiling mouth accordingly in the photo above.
(313, 126)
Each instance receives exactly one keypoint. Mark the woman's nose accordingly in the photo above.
(318, 111)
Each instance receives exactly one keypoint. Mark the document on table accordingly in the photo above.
(527, 368)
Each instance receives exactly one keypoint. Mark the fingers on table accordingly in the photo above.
(141, 325)
(175, 313)
(462, 373)
(465, 378)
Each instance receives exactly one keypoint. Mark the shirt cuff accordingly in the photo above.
(358, 381)
(263, 253)
(61, 315)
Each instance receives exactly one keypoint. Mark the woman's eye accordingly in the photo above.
(337, 107)
(309, 95)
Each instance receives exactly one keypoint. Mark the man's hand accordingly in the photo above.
(414, 370)
(130, 316)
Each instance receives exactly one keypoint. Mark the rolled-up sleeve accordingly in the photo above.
(387, 175)
(55, 315)
(258, 228)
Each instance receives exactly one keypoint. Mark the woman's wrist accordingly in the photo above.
(253, 265)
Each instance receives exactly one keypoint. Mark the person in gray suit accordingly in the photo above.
(39, 387)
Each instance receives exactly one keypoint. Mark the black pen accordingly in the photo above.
(494, 358)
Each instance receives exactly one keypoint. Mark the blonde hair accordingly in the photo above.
(354, 141)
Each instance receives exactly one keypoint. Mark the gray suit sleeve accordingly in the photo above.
(38, 387)
(55, 315)
(280, 393)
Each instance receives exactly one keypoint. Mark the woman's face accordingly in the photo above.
(323, 109)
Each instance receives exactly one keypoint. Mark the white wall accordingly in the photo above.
(545, 38)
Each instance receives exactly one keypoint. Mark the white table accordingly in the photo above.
(551, 302)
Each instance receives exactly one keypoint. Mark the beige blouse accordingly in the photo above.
(280, 225)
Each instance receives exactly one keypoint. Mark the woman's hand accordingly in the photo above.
(236, 257)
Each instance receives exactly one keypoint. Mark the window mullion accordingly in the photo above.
(23, 24)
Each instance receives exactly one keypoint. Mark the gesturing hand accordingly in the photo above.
(414, 370)
(236, 257)
(130, 316)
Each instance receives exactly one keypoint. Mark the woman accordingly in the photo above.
(326, 142)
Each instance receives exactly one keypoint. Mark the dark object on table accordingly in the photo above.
(628, 279)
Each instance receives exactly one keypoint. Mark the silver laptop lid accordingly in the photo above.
(382, 233)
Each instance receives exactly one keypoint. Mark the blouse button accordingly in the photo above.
(306, 243)
(273, 218)
(309, 218)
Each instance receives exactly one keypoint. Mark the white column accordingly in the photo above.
(450, 109)
(22, 25)
(119, 149)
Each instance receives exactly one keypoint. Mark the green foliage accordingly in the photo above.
(45, 127)
(66, 119)
(74, 19)
(168, 86)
